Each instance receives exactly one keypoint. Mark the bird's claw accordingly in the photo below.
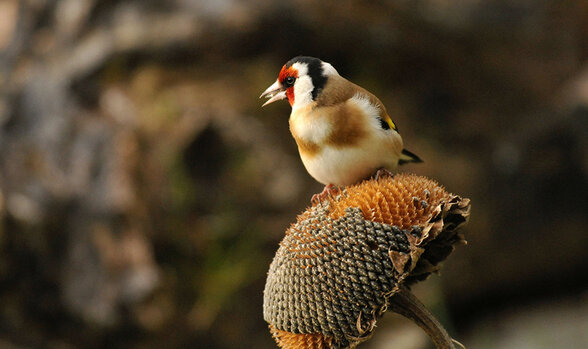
(329, 191)
(383, 173)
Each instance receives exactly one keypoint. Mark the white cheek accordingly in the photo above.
(303, 91)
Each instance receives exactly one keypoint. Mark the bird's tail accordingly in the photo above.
(407, 156)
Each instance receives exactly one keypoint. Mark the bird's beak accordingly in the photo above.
(275, 92)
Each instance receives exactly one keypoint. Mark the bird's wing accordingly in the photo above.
(385, 120)
(339, 90)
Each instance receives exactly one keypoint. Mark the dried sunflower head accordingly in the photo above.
(343, 262)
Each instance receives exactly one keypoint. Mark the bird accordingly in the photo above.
(343, 132)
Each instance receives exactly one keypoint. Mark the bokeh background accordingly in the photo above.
(143, 191)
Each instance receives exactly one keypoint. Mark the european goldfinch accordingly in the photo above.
(343, 132)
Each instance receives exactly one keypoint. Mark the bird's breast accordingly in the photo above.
(310, 129)
(341, 125)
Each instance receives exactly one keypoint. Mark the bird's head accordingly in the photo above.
(301, 80)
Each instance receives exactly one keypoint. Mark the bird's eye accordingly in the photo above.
(289, 81)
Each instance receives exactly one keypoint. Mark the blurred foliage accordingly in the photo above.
(143, 191)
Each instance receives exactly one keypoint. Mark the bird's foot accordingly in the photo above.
(329, 191)
(383, 173)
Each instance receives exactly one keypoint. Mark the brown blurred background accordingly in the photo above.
(143, 191)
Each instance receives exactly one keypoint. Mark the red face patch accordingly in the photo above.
(285, 73)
